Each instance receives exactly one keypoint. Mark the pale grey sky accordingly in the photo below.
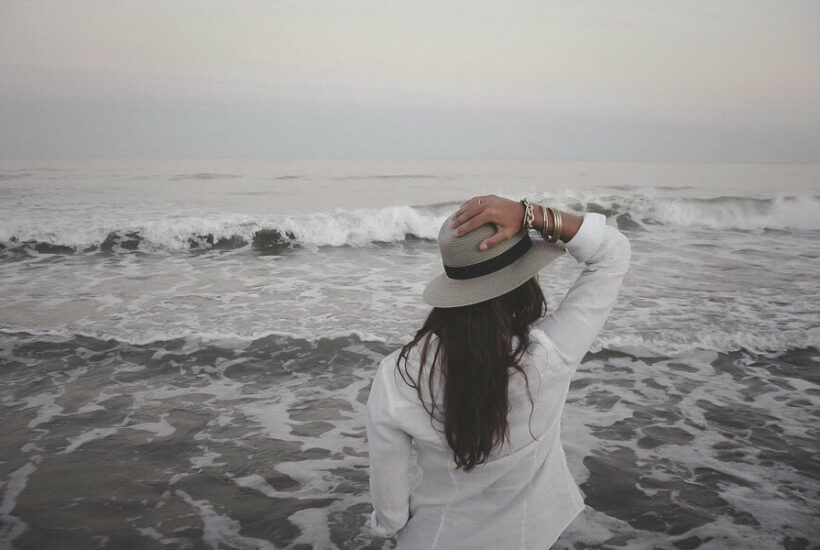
(598, 80)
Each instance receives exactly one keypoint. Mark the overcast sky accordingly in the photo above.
(717, 81)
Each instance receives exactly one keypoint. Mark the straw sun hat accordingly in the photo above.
(472, 275)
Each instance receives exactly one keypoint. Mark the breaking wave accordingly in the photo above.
(781, 213)
(362, 227)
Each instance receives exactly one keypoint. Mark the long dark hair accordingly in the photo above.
(475, 355)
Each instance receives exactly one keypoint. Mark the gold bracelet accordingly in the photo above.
(544, 234)
(558, 225)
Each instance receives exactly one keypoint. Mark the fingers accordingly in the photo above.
(472, 223)
(494, 240)
(505, 214)
(470, 204)
(469, 209)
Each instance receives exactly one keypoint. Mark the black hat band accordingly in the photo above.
(493, 264)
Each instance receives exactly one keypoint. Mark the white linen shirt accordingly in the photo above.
(523, 497)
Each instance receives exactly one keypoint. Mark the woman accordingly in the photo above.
(480, 389)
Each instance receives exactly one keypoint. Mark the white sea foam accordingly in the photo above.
(161, 428)
(313, 523)
(339, 227)
(668, 343)
(193, 341)
(207, 460)
(361, 227)
(641, 344)
(258, 483)
(47, 408)
(17, 480)
(726, 212)
(87, 436)
(157, 536)
(220, 529)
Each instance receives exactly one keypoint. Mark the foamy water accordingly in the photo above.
(186, 348)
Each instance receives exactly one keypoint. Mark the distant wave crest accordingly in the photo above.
(783, 213)
(361, 227)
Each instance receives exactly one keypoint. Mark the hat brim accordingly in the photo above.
(443, 291)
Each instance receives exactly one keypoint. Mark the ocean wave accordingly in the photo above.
(671, 343)
(362, 227)
(390, 177)
(745, 213)
(656, 344)
(205, 176)
(191, 339)
(340, 227)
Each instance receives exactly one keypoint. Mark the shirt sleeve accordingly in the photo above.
(574, 325)
(389, 450)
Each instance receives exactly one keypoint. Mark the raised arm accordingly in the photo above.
(575, 324)
(578, 320)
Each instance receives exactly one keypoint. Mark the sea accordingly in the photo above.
(187, 345)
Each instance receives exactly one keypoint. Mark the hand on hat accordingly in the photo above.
(507, 215)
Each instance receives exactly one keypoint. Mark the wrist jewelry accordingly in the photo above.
(558, 224)
(544, 233)
(556, 227)
(550, 237)
(529, 216)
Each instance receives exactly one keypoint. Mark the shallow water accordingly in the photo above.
(185, 363)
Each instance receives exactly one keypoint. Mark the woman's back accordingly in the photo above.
(500, 499)
(523, 496)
